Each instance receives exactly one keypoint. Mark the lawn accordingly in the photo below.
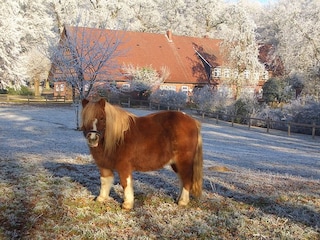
(257, 185)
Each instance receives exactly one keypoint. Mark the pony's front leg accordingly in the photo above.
(128, 195)
(183, 199)
(106, 180)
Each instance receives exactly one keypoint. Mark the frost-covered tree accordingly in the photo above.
(204, 17)
(38, 30)
(204, 98)
(208, 99)
(10, 49)
(172, 15)
(145, 16)
(145, 78)
(169, 98)
(37, 67)
(293, 28)
(25, 25)
(240, 47)
(85, 56)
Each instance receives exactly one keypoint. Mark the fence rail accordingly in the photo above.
(267, 123)
(32, 99)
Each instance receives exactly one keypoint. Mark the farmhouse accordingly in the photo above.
(189, 61)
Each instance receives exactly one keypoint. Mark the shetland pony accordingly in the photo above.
(120, 141)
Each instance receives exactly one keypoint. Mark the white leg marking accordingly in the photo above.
(184, 197)
(128, 199)
(106, 184)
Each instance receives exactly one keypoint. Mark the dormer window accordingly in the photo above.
(235, 74)
(217, 72)
(246, 74)
(226, 73)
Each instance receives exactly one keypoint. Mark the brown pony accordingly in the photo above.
(120, 141)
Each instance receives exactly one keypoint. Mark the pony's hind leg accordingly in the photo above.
(185, 175)
(128, 195)
(106, 180)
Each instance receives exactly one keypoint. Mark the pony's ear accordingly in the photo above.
(102, 102)
(84, 102)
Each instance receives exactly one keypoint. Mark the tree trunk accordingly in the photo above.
(36, 87)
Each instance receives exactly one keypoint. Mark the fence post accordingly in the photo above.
(268, 124)
(129, 102)
(313, 130)
(289, 129)
(249, 124)
(232, 121)
(217, 118)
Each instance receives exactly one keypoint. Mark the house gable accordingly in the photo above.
(191, 61)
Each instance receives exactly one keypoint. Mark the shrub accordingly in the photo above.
(271, 90)
(306, 113)
(244, 107)
(296, 111)
(204, 98)
(25, 91)
(169, 98)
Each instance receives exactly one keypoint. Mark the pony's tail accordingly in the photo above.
(196, 188)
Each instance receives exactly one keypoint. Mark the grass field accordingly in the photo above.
(256, 185)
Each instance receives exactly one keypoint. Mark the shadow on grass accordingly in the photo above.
(297, 213)
(21, 201)
(15, 212)
(167, 182)
(88, 176)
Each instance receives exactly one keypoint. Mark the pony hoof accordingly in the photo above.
(183, 203)
(127, 206)
(102, 199)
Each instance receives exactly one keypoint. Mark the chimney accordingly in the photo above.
(169, 35)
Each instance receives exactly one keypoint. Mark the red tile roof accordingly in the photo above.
(157, 50)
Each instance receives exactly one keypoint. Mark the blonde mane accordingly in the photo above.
(117, 123)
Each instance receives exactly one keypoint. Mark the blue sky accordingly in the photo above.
(261, 1)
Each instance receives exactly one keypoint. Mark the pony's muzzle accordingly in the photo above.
(93, 138)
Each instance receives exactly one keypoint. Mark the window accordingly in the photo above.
(235, 74)
(168, 87)
(125, 87)
(184, 89)
(59, 87)
(226, 73)
(246, 74)
(216, 72)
